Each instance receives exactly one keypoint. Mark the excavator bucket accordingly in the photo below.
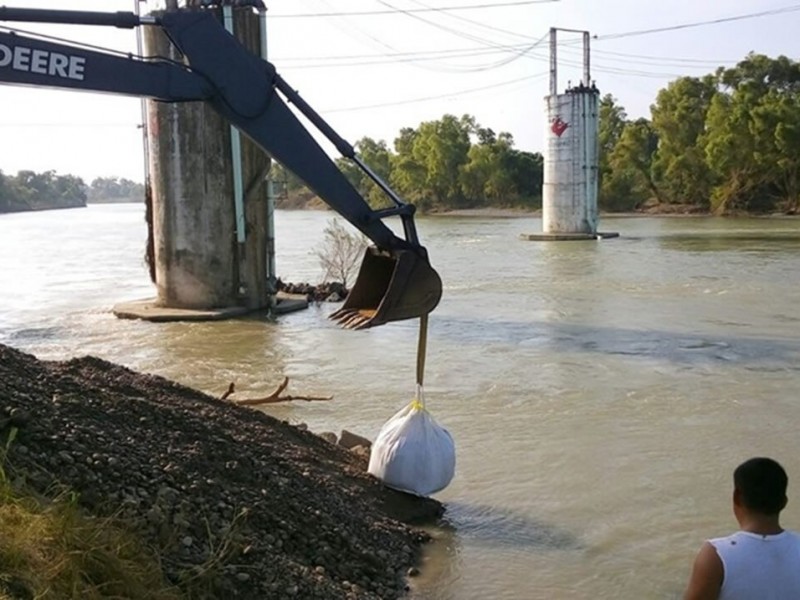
(391, 286)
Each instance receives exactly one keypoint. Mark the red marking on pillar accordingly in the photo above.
(559, 126)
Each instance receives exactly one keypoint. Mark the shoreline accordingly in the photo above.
(516, 213)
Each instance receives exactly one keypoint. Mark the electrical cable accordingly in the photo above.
(398, 56)
(448, 95)
(489, 43)
(520, 50)
(395, 11)
(340, 22)
(670, 59)
(765, 13)
(473, 22)
(440, 68)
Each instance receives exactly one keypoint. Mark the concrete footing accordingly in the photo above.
(286, 303)
(147, 310)
(567, 237)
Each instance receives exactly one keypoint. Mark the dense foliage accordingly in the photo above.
(726, 142)
(723, 143)
(115, 189)
(35, 191)
(444, 164)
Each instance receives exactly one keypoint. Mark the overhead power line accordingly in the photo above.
(448, 95)
(473, 22)
(615, 62)
(517, 53)
(664, 59)
(413, 10)
(765, 13)
(518, 49)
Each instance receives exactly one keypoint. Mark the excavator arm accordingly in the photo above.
(395, 281)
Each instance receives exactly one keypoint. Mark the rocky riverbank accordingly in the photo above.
(256, 507)
(329, 291)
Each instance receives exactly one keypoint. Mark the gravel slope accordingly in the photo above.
(262, 508)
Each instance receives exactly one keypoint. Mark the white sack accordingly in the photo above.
(412, 452)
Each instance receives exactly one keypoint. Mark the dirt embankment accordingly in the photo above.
(259, 507)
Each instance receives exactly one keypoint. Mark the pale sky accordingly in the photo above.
(372, 74)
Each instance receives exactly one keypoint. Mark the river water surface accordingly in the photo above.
(600, 393)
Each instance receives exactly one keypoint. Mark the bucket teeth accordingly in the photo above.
(351, 318)
(347, 318)
(343, 314)
(363, 324)
(356, 321)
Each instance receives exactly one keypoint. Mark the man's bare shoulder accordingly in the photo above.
(707, 574)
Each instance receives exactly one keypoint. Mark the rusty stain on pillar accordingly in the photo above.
(198, 262)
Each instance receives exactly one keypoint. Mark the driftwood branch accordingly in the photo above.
(273, 398)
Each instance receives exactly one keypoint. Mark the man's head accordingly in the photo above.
(760, 486)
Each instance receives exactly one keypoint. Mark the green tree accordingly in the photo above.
(498, 174)
(776, 124)
(679, 120)
(527, 172)
(376, 155)
(441, 148)
(486, 178)
(630, 182)
(482, 160)
(752, 135)
(611, 121)
(70, 189)
(407, 173)
(115, 189)
(9, 197)
(29, 190)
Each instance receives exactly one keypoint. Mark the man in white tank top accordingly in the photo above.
(762, 560)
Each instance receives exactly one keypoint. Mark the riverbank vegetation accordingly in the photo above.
(51, 549)
(450, 163)
(728, 142)
(28, 190)
(107, 190)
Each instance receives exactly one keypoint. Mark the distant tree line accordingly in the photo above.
(114, 189)
(28, 190)
(445, 164)
(723, 143)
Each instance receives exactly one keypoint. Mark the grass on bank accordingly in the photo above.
(51, 550)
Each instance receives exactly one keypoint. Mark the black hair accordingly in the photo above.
(762, 485)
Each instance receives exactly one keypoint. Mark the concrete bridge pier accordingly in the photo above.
(209, 210)
(571, 158)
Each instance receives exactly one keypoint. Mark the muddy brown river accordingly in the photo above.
(600, 393)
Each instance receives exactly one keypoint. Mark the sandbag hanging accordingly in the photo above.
(412, 452)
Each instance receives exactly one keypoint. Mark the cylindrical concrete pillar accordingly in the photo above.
(569, 195)
(198, 262)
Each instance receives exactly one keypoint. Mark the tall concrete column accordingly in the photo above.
(199, 264)
(571, 156)
(569, 193)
